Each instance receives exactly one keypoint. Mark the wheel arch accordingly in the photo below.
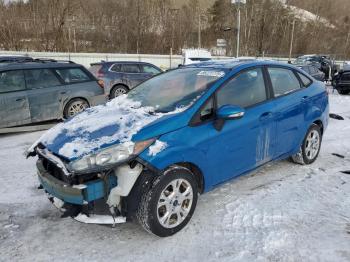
(197, 174)
(320, 124)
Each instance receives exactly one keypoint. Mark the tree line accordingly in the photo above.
(156, 26)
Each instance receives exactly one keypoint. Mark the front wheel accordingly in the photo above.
(169, 204)
(310, 148)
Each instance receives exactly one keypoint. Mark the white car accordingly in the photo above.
(192, 56)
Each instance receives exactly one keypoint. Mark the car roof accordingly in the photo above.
(231, 64)
(120, 62)
(36, 65)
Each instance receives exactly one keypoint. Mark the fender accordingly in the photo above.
(174, 155)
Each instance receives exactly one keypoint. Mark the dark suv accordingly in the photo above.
(322, 62)
(41, 90)
(341, 82)
(120, 77)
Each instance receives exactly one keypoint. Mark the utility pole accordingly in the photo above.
(291, 42)
(173, 12)
(238, 3)
(238, 28)
(199, 28)
(138, 28)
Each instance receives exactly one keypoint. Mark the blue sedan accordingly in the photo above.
(150, 153)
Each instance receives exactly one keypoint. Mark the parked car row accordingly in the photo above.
(33, 91)
(322, 62)
(38, 90)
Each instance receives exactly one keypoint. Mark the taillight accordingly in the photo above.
(100, 73)
(101, 83)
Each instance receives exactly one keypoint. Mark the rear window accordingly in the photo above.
(94, 69)
(73, 75)
(345, 77)
(12, 81)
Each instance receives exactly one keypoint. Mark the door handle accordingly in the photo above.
(265, 116)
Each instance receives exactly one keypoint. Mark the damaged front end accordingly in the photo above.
(90, 197)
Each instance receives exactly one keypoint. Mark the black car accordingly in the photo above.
(341, 82)
(119, 77)
(313, 71)
(322, 62)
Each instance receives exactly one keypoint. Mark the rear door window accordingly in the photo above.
(116, 68)
(149, 69)
(283, 81)
(246, 89)
(73, 75)
(12, 81)
(131, 68)
(40, 78)
(345, 77)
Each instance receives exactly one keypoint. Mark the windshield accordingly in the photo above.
(175, 89)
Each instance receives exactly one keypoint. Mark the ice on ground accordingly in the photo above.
(156, 148)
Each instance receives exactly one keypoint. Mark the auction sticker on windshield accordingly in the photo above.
(216, 74)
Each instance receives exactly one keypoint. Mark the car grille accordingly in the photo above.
(54, 170)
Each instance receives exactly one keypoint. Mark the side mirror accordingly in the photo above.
(229, 112)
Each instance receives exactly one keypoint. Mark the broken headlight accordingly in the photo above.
(109, 156)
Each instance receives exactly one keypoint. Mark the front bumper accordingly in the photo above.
(75, 194)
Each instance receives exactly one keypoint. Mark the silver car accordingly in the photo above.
(37, 91)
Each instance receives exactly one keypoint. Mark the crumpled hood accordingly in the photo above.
(99, 127)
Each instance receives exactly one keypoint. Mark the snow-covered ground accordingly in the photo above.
(282, 212)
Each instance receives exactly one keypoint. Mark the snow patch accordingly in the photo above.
(306, 16)
(156, 148)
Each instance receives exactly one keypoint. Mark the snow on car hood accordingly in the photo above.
(99, 127)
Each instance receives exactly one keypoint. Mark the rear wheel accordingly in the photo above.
(310, 148)
(169, 204)
(118, 90)
(75, 106)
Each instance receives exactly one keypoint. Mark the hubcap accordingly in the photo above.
(312, 144)
(119, 91)
(77, 107)
(174, 203)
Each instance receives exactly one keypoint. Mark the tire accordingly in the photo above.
(75, 106)
(118, 90)
(310, 148)
(166, 208)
